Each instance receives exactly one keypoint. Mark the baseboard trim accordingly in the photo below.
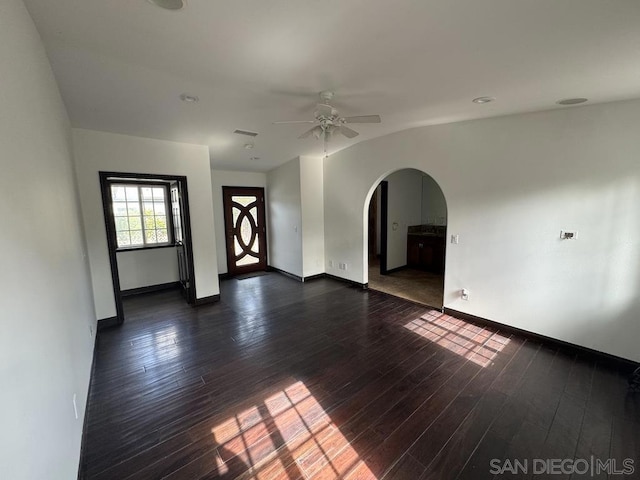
(150, 288)
(206, 300)
(107, 323)
(363, 286)
(285, 273)
(602, 357)
(83, 438)
(314, 277)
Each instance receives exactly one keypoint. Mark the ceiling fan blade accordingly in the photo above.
(314, 131)
(324, 110)
(294, 121)
(363, 119)
(347, 132)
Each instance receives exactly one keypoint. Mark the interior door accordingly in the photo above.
(245, 229)
(177, 212)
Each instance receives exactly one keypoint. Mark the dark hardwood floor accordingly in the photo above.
(322, 380)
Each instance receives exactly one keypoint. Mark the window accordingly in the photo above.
(140, 215)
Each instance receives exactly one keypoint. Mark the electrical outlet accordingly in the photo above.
(330, 263)
(342, 266)
(75, 406)
(455, 239)
(464, 294)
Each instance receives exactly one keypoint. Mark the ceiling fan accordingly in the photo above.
(329, 122)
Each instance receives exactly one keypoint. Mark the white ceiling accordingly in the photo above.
(122, 64)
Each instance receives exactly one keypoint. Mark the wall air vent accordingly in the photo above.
(246, 132)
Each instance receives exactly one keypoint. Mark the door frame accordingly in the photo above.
(106, 178)
(373, 226)
(384, 220)
(261, 219)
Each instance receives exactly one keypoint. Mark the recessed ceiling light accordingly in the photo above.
(572, 101)
(185, 97)
(482, 100)
(168, 4)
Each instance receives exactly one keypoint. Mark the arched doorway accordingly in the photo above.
(406, 237)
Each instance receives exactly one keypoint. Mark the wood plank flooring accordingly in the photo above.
(283, 380)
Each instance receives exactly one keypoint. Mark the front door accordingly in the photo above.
(245, 229)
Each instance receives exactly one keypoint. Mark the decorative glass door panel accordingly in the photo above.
(245, 229)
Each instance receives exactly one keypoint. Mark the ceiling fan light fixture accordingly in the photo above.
(168, 4)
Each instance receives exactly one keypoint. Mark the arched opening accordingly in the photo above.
(406, 231)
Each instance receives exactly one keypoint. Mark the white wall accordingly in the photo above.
(46, 304)
(312, 214)
(224, 178)
(434, 205)
(404, 209)
(145, 268)
(101, 151)
(284, 218)
(295, 220)
(511, 184)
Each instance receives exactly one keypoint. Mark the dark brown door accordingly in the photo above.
(245, 229)
(177, 212)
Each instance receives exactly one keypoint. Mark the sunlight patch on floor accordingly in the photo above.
(474, 343)
(163, 345)
(288, 435)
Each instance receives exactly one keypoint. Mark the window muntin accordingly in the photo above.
(140, 213)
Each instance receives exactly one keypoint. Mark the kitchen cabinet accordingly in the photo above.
(426, 252)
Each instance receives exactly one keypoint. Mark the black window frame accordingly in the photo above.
(168, 213)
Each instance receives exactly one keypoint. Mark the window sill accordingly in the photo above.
(146, 247)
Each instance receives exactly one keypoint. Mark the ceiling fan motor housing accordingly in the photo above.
(326, 96)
